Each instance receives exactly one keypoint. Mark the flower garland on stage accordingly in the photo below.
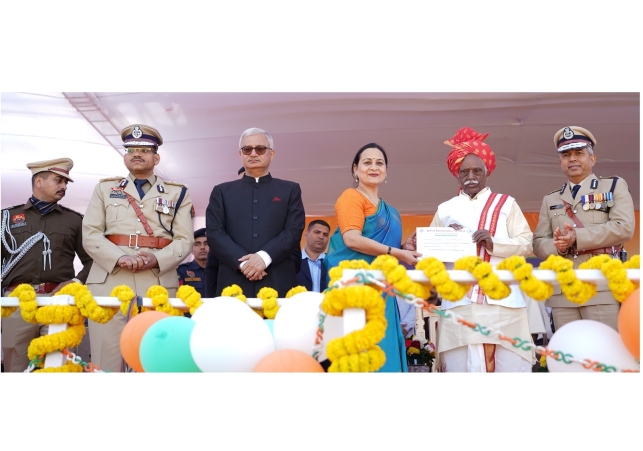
(161, 300)
(190, 297)
(126, 296)
(488, 280)
(522, 272)
(87, 304)
(396, 275)
(615, 272)
(269, 303)
(574, 290)
(234, 291)
(437, 273)
(357, 351)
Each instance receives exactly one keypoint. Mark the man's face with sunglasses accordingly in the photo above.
(256, 155)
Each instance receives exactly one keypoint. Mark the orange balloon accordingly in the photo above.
(288, 361)
(629, 323)
(133, 334)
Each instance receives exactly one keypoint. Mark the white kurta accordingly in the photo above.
(512, 237)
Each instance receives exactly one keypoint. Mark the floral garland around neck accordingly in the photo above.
(522, 272)
(615, 272)
(437, 273)
(358, 351)
(161, 300)
(190, 297)
(488, 280)
(572, 288)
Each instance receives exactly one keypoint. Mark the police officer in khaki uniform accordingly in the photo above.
(588, 216)
(40, 241)
(138, 229)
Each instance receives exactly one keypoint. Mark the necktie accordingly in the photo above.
(575, 190)
(139, 187)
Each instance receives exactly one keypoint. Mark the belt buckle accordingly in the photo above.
(38, 287)
(135, 246)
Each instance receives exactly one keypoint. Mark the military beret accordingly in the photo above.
(60, 166)
(199, 233)
(141, 135)
(573, 137)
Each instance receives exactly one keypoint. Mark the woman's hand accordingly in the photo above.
(406, 256)
(411, 243)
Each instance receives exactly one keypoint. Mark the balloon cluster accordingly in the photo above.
(592, 341)
(226, 335)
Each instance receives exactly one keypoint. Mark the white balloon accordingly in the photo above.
(588, 339)
(229, 337)
(224, 304)
(296, 322)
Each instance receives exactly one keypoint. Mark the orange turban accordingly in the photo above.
(468, 141)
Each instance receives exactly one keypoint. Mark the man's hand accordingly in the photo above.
(139, 262)
(255, 267)
(483, 238)
(455, 226)
(564, 239)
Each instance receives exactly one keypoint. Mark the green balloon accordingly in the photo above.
(165, 347)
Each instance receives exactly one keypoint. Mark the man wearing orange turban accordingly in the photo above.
(500, 230)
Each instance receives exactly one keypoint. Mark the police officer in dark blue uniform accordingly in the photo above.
(193, 273)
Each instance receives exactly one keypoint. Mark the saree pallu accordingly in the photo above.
(385, 227)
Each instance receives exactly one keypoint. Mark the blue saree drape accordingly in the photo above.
(385, 227)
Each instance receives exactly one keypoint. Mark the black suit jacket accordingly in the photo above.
(245, 216)
(304, 278)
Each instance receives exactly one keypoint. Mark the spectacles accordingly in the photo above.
(143, 150)
(476, 171)
(247, 150)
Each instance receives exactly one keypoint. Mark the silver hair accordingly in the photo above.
(256, 131)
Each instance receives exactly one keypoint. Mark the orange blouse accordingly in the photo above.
(351, 209)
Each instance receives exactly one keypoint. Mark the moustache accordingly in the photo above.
(470, 182)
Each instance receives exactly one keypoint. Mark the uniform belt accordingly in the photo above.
(612, 250)
(40, 288)
(135, 241)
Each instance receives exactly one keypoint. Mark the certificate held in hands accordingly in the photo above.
(445, 243)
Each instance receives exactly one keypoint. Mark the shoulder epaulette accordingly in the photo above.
(69, 209)
(15, 206)
(168, 182)
(109, 179)
(554, 191)
(610, 177)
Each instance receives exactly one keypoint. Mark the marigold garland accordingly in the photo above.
(234, 291)
(574, 290)
(87, 304)
(296, 290)
(488, 280)
(615, 272)
(190, 297)
(633, 263)
(437, 273)
(397, 276)
(269, 303)
(69, 338)
(126, 296)
(336, 272)
(8, 311)
(27, 298)
(161, 300)
(357, 351)
(522, 272)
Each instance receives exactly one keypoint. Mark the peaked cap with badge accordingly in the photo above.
(60, 166)
(601, 212)
(141, 135)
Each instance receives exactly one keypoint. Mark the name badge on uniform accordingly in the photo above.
(555, 207)
(117, 192)
(18, 220)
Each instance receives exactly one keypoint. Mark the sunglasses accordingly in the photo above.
(247, 150)
(143, 150)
